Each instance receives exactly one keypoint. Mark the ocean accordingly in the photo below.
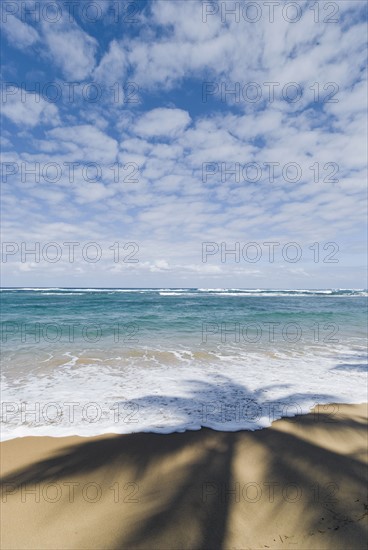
(78, 361)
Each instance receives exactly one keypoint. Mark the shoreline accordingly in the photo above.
(297, 484)
(266, 421)
(182, 429)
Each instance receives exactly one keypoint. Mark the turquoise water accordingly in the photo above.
(174, 359)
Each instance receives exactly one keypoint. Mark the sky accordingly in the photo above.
(184, 144)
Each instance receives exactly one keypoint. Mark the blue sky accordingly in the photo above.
(146, 87)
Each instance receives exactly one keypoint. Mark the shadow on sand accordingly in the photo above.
(188, 497)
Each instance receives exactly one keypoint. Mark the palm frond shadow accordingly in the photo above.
(214, 460)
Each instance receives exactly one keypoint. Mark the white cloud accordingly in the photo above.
(175, 15)
(29, 109)
(5, 142)
(237, 51)
(28, 266)
(112, 66)
(20, 34)
(85, 142)
(92, 192)
(162, 122)
(71, 48)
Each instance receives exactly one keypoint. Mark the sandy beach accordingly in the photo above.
(299, 484)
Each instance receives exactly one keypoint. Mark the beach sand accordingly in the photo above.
(299, 484)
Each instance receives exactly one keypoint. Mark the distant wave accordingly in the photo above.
(201, 292)
(196, 291)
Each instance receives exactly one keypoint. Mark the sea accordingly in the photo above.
(88, 361)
